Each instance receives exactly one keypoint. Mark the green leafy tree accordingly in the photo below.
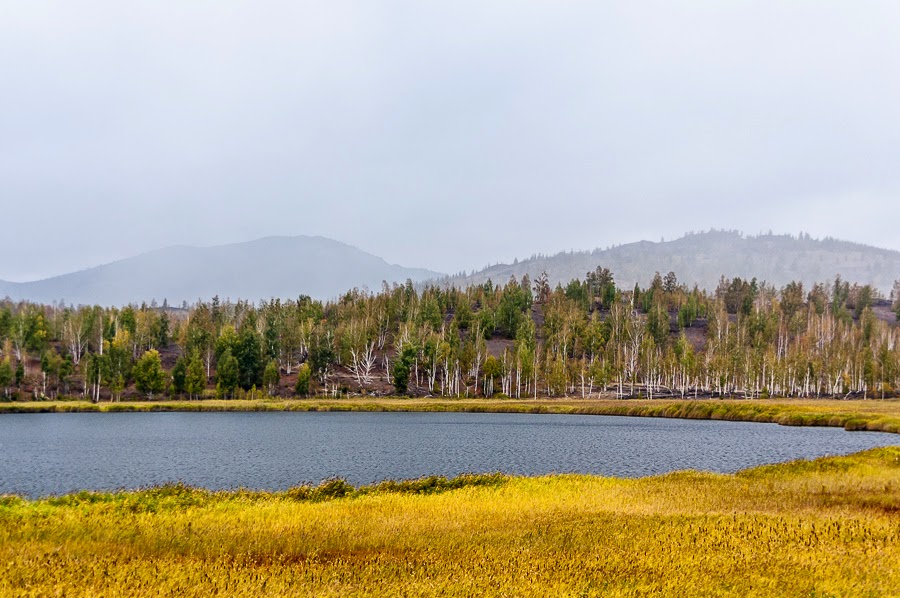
(577, 292)
(542, 288)
(249, 355)
(66, 369)
(20, 374)
(93, 367)
(271, 376)
(430, 313)
(128, 320)
(486, 321)
(6, 323)
(514, 302)
(738, 295)
(118, 362)
(200, 335)
(274, 332)
(149, 376)
(304, 374)
(862, 299)
(37, 335)
(525, 352)
(463, 313)
(195, 376)
(792, 299)
(117, 387)
(688, 312)
(228, 374)
(227, 341)
(51, 363)
(658, 324)
(492, 370)
(160, 330)
(179, 375)
(7, 375)
(557, 376)
(818, 298)
(321, 356)
(602, 287)
(402, 367)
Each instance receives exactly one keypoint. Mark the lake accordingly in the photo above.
(45, 454)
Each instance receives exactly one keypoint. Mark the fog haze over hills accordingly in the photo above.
(284, 267)
(447, 135)
(287, 267)
(703, 258)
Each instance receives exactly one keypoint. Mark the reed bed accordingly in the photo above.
(829, 527)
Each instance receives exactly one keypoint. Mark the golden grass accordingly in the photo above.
(829, 527)
(874, 415)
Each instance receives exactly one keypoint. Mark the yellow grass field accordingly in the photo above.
(829, 527)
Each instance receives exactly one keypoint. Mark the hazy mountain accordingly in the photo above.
(272, 267)
(704, 257)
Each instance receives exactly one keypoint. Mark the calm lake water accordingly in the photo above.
(42, 454)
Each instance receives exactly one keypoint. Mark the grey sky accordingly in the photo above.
(443, 135)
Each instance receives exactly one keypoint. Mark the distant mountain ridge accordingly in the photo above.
(287, 267)
(702, 258)
(283, 267)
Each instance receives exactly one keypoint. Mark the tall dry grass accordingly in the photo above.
(829, 527)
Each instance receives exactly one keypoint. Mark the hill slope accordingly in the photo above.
(704, 257)
(282, 267)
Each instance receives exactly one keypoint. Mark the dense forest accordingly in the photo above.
(519, 339)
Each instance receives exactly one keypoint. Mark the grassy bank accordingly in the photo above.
(874, 415)
(829, 527)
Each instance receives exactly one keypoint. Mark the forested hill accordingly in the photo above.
(702, 258)
(283, 267)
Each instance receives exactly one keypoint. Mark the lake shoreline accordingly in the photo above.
(876, 415)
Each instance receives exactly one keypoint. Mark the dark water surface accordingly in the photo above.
(42, 454)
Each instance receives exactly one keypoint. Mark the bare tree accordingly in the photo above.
(77, 326)
(362, 363)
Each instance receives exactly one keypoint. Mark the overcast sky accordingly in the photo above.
(446, 135)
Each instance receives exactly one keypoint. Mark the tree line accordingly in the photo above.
(523, 338)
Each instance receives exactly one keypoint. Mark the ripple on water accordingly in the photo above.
(59, 453)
